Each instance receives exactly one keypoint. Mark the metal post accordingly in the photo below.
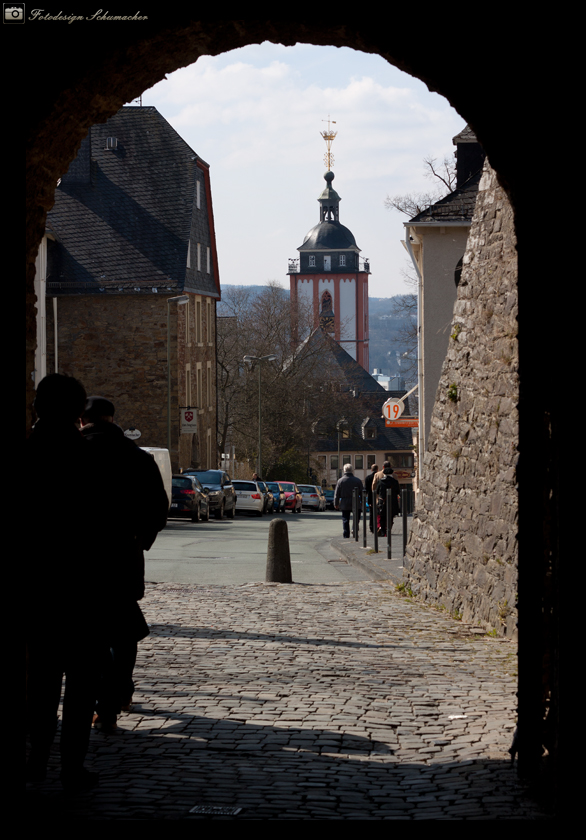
(354, 513)
(389, 504)
(375, 512)
(363, 517)
(259, 424)
(357, 514)
(405, 503)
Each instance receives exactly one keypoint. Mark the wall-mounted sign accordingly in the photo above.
(188, 420)
(132, 433)
(406, 423)
(393, 409)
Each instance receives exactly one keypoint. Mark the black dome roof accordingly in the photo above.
(329, 236)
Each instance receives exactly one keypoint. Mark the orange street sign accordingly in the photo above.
(404, 424)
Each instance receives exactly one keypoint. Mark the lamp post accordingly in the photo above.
(252, 360)
(179, 300)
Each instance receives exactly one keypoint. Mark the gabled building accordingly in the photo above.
(436, 241)
(131, 231)
(359, 436)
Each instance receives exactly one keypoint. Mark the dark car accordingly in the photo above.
(329, 494)
(293, 498)
(267, 495)
(222, 497)
(278, 496)
(189, 498)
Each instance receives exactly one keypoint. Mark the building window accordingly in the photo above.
(370, 432)
(359, 462)
(198, 322)
(342, 259)
(346, 459)
(209, 260)
(188, 385)
(198, 195)
(327, 263)
(370, 461)
(209, 320)
(333, 462)
(189, 255)
(198, 378)
(400, 460)
(198, 256)
(312, 262)
(209, 384)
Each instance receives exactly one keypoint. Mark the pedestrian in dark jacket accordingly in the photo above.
(385, 483)
(132, 510)
(343, 497)
(63, 616)
(368, 481)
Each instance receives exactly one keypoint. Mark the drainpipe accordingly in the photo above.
(55, 334)
(420, 361)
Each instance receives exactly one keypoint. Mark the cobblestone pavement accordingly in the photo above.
(329, 701)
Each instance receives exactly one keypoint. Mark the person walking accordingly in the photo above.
(343, 497)
(122, 530)
(371, 499)
(384, 483)
(63, 615)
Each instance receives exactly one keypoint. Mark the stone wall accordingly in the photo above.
(117, 346)
(462, 552)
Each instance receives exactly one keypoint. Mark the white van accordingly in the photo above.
(163, 461)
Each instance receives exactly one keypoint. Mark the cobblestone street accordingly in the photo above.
(329, 701)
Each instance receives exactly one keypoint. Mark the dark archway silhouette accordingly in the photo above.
(83, 74)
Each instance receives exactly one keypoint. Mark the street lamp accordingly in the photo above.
(252, 360)
(179, 300)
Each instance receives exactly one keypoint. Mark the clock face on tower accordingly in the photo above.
(326, 322)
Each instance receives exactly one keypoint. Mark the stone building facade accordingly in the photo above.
(462, 552)
(130, 233)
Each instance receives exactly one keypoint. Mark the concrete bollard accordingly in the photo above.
(278, 557)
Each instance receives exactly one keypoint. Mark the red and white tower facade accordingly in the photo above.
(330, 278)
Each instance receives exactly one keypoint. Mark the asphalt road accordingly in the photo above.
(235, 551)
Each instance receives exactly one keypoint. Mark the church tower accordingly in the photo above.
(329, 276)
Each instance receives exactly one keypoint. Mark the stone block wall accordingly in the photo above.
(462, 551)
(117, 346)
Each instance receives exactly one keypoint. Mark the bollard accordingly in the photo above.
(278, 556)
(364, 518)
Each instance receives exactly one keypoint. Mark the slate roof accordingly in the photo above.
(123, 218)
(369, 395)
(458, 206)
(329, 236)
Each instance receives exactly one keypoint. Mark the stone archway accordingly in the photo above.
(81, 79)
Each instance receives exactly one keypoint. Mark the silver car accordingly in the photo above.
(312, 496)
(249, 497)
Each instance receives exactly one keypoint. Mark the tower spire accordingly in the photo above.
(329, 138)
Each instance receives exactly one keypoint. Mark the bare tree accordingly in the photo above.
(296, 389)
(442, 174)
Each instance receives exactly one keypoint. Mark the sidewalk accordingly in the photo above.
(376, 566)
(335, 701)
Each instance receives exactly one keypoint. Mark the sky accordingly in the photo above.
(255, 115)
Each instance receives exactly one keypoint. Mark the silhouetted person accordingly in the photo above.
(62, 615)
(133, 509)
(386, 482)
(371, 499)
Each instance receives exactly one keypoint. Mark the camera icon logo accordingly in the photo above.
(13, 12)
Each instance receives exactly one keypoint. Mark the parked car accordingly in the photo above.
(278, 496)
(312, 497)
(189, 499)
(250, 496)
(329, 494)
(293, 499)
(267, 496)
(222, 496)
